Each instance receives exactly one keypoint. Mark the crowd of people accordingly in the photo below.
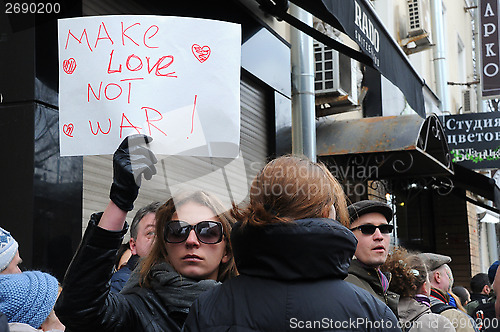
(294, 259)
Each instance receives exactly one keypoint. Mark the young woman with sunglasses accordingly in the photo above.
(191, 254)
(292, 257)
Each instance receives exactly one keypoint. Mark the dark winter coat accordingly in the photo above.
(485, 317)
(85, 303)
(291, 279)
(475, 301)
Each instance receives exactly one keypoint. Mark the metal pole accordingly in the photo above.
(478, 63)
(303, 108)
(439, 54)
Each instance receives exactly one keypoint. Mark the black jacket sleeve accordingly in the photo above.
(192, 320)
(85, 303)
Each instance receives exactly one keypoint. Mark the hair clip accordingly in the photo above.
(415, 272)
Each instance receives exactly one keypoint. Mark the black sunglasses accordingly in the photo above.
(370, 229)
(208, 232)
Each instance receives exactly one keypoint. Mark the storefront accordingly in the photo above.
(47, 198)
(402, 160)
(405, 161)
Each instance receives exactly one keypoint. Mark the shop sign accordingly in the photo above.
(490, 50)
(474, 139)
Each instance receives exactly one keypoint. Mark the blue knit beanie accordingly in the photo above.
(8, 249)
(492, 271)
(28, 297)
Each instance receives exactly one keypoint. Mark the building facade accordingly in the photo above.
(48, 198)
(393, 67)
(438, 209)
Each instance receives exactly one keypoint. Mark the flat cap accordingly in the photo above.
(360, 208)
(434, 261)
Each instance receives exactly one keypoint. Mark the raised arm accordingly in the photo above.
(85, 303)
(131, 160)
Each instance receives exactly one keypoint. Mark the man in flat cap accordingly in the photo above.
(370, 224)
(441, 279)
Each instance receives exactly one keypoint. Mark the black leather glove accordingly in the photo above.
(131, 160)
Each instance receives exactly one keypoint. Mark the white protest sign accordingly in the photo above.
(175, 79)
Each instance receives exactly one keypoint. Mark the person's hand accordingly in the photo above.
(131, 160)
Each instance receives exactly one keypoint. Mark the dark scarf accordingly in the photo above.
(435, 293)
(177, 292)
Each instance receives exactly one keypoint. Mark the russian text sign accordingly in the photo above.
(175, 79)
(490, 51)
(474, 139)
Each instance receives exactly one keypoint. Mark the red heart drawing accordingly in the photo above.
(200, 52)
(68, 129)
(69, 66)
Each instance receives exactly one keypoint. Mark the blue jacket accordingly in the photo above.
(120, 277)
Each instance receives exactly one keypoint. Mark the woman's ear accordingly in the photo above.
(330, 212)
(225, 258)
(227, 255)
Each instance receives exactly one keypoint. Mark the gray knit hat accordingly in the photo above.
(8, 249)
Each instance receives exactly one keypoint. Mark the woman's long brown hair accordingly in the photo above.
(290, 188)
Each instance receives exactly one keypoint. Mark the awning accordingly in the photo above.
(397, 146)
(479, 184)
(359, 21)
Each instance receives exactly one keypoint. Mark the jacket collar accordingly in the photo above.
(478, 297)
(302, 249)
(439, 295)
(409, 309)
(133, 261)
(369, 274)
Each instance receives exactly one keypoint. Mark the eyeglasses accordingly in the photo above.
(370, 229)
(208, 232)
